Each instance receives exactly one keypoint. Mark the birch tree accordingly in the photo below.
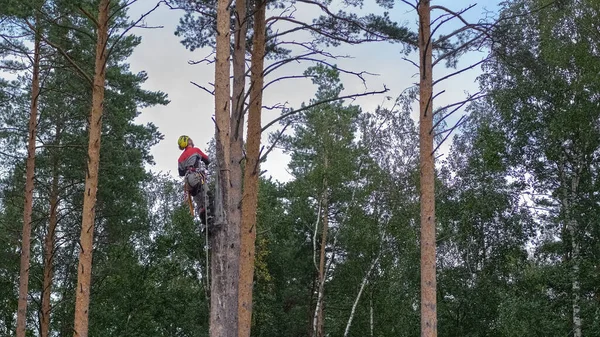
(551, 118)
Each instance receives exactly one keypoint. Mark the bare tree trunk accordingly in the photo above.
(49, 247)
(221, 311)
(318, 316)
(237, 127)
(428, 274)
(29, 177)
(236, 135)
(251, 173)
(86, 240)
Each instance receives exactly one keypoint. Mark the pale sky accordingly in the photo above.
(165, 60)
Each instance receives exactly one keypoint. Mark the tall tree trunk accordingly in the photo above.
(237, 127)
(322, 271)
(237, 155)
(221, 310)
(251, 173)
(318, 315)
(575, 254)
(237, 123)
(86, 240)
(428, 276)
(575, 284)
(49, 246)
(29, 176)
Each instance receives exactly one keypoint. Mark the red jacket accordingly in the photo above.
(190, 158)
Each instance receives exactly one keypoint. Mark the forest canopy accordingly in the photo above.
(427, 213)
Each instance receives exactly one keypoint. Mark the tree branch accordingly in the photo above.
(274, 143)
(135, 24)
(65, 55)
(411, 5)
(89, 16)
(459, 16)
(449, 132)
(204, 88)
(456, 50)
(353, 96)
(459, 71)
(286, 78)
(411, 62)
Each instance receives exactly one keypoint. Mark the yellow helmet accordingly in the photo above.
(183, 142)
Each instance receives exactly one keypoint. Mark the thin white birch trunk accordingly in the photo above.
(362, 287)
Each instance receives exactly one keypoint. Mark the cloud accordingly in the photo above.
(166, 61)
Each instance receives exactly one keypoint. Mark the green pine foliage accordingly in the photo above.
(505, 193)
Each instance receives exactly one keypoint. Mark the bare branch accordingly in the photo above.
(459, 16)
(285, 78)
(449, 132)
(274, 143)
(204, 88)
(135, 24)
(411, 5)
(120, 8)
(311, 46)
(277, 106)
(410, 61)
(452, 15)
(458, 105)
(275, 65)
(471, 98)
(459, 71)
(206, 60)
(316, 29)
(456, 50)
(353, 96)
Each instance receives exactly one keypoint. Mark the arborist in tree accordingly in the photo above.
(195, 176)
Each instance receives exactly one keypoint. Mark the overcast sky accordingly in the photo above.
(165, 60)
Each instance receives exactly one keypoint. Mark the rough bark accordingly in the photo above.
(84, 269)
(233, 208)
(251, 173)
(29, 185)
(49, 247)
(428, 275)
(221, 310)
(237, 124)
